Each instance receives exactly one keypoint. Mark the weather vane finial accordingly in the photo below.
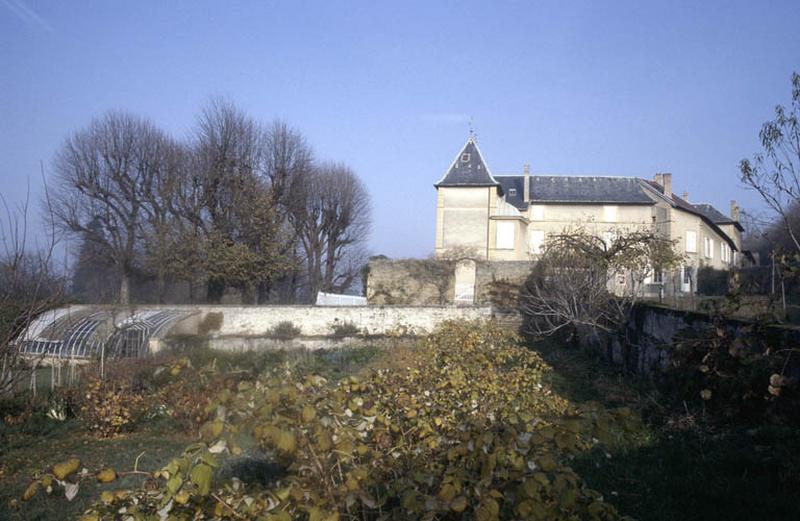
(472, 135)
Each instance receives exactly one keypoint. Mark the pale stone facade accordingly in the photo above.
(509, 217)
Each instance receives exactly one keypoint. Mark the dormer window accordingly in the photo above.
(465, 157)
(512, 192)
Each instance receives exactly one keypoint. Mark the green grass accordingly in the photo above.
(690, 468)
(39, 442)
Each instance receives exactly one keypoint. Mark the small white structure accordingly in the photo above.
(334, 299)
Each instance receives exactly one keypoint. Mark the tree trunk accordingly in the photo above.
(330, 267)
(161, 286)
(215, 290)
(264, 289)
(124, 288)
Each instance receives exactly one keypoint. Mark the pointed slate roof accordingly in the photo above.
(468, 168)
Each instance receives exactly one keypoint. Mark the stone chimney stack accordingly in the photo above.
(526, 187)
(659, 179)
(685, 195)
(667, 184)
(734, 211)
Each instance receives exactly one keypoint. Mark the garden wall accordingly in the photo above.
(422, 282)
(320, 321)
(85, 332)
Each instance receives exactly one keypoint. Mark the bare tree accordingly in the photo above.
(775, 172)
(102, 173)
(574, 283)
(331, 215)
(287, 159)
(287, 156)
(28, 286)
(236, 214)
(162, 221)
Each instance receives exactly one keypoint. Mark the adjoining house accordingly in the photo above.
(508, 217)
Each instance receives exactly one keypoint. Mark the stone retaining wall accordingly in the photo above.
(654, 330)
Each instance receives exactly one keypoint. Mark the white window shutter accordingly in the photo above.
(691, 241)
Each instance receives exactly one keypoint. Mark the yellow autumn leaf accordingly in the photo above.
(211, 430)
(447, 492)
(31, 491)
(106, 475)
(458, 504)
(287, 442)
(66, 468)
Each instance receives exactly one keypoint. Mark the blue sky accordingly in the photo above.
(612, 88)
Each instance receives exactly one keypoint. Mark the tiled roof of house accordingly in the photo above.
(575, 189)
(468, 169)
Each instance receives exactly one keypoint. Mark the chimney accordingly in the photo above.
(659, 179)
(734, 211)
(667, 184)
(685, 195)
(526, 188)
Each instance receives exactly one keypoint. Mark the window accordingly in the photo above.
(691, 241)
(505, 235)
(610, 214)
(512, 192)
(537, 241)
(686, 279)
(708, 248)
(537, 212)
(725, 252)
(465, 158)
(658, 277)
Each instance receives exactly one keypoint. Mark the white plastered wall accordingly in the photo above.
(463, 219)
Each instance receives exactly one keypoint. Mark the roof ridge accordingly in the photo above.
(573, 175)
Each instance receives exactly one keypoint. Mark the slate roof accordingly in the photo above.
(696, 209)
(468, 169)
(575, 189)
(715, 215)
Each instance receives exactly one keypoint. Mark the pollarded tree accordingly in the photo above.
(574, 283)
(232, 207)
(330, 212)
(287, 159)
(101, 175)
(161, 223)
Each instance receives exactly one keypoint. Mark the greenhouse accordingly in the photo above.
(84, 333)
